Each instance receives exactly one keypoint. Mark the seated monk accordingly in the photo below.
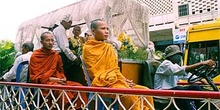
(46, 67)
(102, 65)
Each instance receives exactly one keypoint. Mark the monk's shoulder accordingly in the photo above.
(36, 52)
(55, 52)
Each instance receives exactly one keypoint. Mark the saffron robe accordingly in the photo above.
(102, 64)
(45, 64)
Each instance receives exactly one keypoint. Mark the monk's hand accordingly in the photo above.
(62, 81)
(130, 83)
(53, 79)
(58, 80)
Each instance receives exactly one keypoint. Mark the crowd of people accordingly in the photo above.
(58, 62)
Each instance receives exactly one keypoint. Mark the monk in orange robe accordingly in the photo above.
(102, 64)
(46, 67)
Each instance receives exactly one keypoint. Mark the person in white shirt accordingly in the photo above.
(61, 45)
(169, 72)
(27, 50)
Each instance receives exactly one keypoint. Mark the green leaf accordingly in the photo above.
(7, 54)
(140, 54)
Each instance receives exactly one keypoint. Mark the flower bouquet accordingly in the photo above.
(129, 50)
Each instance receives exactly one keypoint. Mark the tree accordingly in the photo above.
(7, 55)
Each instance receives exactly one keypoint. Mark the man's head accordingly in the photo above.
(47, 40)
(66, 21)
(27, 46)
(99, 29)
(151, 46)
(174, 54)
(88, 35)
(76, 30)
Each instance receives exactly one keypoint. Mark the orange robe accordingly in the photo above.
(102, 64)
(45, 64)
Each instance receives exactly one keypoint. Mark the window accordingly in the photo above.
(201, 51)
(183, 10)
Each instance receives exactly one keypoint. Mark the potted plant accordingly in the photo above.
(131, 58)
(129, 51)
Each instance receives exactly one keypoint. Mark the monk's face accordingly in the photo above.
(48, 41)
(101, 33)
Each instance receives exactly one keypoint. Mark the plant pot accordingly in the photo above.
(132, 69)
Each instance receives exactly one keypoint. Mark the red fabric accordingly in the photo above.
(45, 64)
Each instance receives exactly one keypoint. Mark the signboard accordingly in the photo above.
(179, 36)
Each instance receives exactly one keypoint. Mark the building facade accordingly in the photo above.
(168, 15)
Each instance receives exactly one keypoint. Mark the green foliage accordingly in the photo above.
(160, 55)
(139, 54)
(129, 50)
(7, 53)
